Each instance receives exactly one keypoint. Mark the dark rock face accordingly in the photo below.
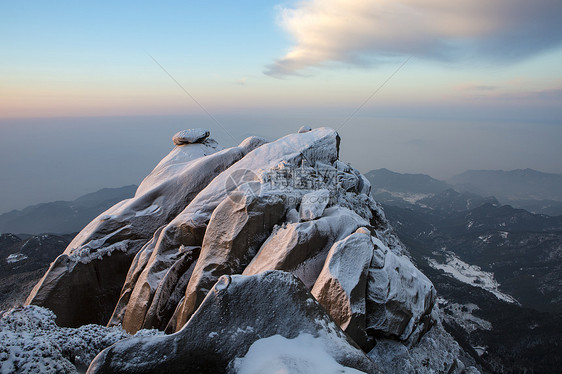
(238, 311)
(171, 290)
(158, 269)
(79, 293)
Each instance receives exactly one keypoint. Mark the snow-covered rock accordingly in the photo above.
(277, 354)
(188, 227)
(302, 248)
(198, 174)
(342, 283)
(236, 231)
(313, 204)
(190, 136)
(31, 342)
(238, 312)
(114, 237)
(170, 258)
(436, 352)
(399, 297)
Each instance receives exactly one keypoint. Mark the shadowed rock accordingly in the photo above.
(237, 312)
(171, 290)
(80, 293)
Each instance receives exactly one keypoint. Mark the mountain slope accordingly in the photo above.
(63, 216)
(527, 189)
(498, 271)
(23, 261)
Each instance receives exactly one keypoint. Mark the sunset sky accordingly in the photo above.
(252, 64)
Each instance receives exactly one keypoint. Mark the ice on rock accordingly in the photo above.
(313, 204)
(190, 136)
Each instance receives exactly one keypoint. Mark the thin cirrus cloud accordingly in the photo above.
(362, 32)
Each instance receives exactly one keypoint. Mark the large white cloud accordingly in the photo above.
(367, 31)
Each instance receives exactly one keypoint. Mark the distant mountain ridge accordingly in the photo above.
(63, 216)
(527, 189)
(392, 181)
(519, 184)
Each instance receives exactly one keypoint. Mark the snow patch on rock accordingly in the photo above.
(15, 257)
(277, 354)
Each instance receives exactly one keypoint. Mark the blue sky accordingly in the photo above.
(66, 58)
(477, 69)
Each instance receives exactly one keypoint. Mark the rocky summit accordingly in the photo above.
(257, 258)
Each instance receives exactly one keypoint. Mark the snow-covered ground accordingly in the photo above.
(472, 275)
